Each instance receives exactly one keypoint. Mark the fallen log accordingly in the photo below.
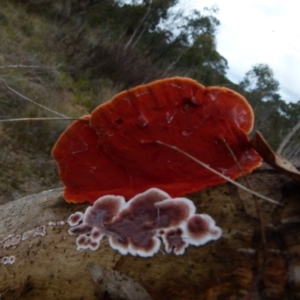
(39, 259)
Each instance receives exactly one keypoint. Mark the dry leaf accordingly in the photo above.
(274, 159)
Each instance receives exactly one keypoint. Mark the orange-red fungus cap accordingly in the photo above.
(114, 150)
(84, 168)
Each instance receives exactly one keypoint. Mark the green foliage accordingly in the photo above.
(133, 43)
(260, 81)
(274, 117)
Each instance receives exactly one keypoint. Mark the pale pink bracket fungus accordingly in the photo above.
(137, 227)
(8, 260)
(173, 240)
(12, 241)
(201, 229)
(75, 218)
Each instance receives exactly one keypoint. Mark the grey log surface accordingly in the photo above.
(48, 266)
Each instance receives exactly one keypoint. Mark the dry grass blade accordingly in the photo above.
(26, 67)
(219, 174)
(24, 97)
(37, 119)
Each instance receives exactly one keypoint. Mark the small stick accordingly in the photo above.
(218, 173)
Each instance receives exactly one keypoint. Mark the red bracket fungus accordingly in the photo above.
(135, 227)
(114, 151)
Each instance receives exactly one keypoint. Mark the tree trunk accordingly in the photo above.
(34, 232)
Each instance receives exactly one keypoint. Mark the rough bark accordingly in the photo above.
(236, 266)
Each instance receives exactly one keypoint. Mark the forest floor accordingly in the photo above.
(24, 173)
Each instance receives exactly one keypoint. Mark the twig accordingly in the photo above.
(22, 96)
(259, 276)
(249, 187)
(219, 174)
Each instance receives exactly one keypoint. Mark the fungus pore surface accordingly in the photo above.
(114, 151)
(137, 227)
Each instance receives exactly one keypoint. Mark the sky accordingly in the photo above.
(259, 31)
